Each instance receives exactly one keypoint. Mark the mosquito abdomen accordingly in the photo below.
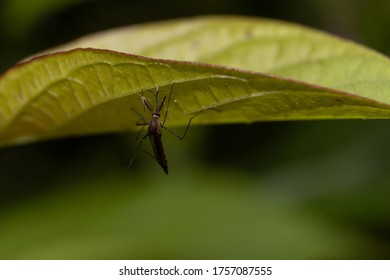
(158, 150)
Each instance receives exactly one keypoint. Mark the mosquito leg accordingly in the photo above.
(188, 125)
(185, 131)
(149, 154)
(141, 117)
(140, 133)
(167, 107)
(130, 162)
(158, 109)
(156, 96)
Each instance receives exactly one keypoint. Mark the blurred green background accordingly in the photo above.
(282, 190)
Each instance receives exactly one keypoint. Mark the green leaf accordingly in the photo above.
(254, 44)
(86, 91)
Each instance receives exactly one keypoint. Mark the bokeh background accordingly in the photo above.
(281, 190)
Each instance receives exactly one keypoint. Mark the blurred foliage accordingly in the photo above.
(25, 15)
(268, 190)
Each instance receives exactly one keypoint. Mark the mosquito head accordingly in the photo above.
(155, 115)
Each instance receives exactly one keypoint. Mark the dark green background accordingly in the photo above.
(283, 190)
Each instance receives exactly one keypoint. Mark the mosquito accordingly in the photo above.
(155, 129)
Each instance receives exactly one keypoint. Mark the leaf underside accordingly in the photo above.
(83, 91)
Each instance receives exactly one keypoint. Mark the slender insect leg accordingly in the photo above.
(145, 101)
(140, 134)
(188, 125)
(161, 104)
(130, 162)
(149, 154)
(185, 131)
(142, 118)
(167, 107)
(156, 95)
